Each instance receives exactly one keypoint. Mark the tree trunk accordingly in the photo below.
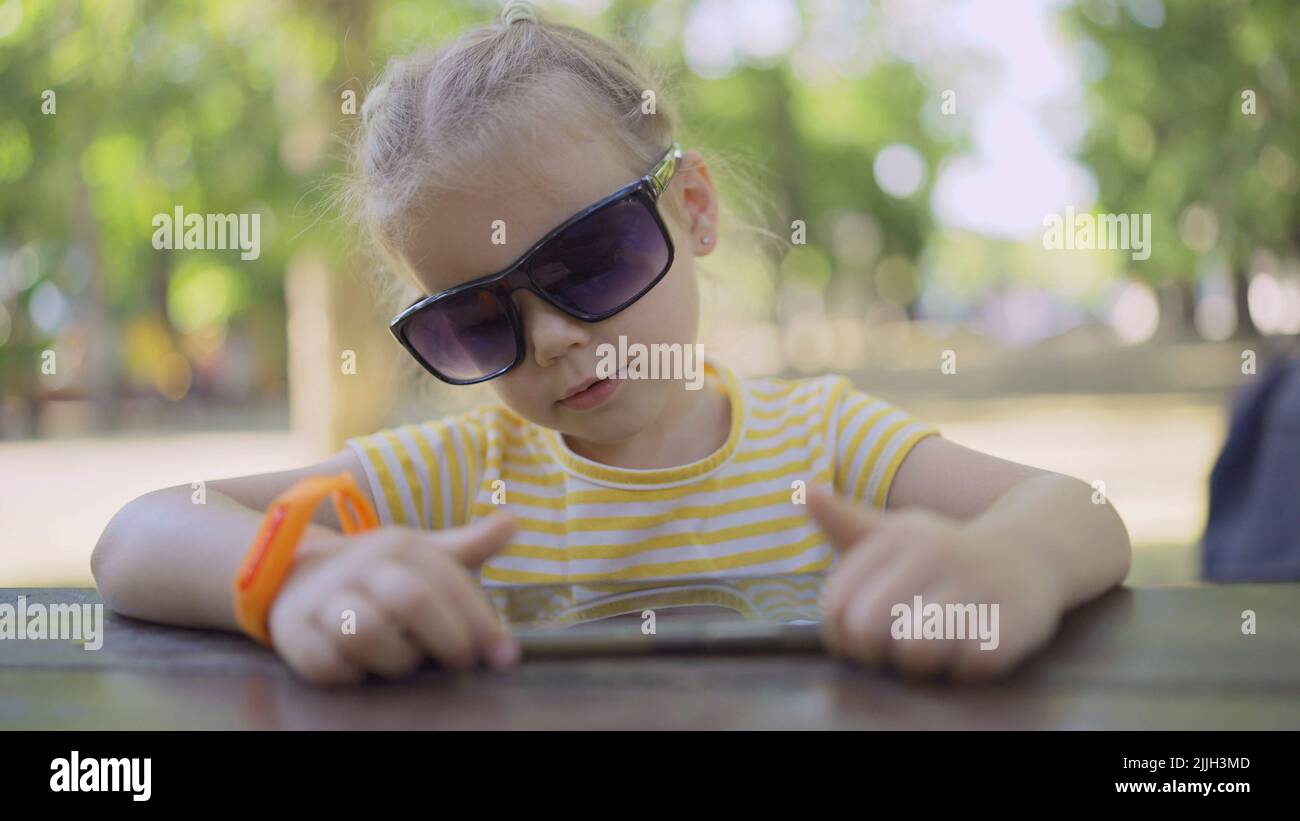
(1246, 328)
(101, 365)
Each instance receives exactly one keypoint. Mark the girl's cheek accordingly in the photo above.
(509, 391)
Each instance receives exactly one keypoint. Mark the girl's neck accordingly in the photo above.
(693, 425)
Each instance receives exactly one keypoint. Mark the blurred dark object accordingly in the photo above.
(1253, 532)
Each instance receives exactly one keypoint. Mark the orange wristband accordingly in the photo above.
(270, 557)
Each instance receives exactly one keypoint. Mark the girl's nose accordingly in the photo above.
(550, 332)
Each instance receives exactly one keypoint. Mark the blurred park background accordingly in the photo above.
(922, 143)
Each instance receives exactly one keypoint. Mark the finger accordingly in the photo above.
(976, 661)
(867, 619)
(491, 638)
(922, 657)
(413, 602)
(844, 522)
(853, 571)
(475, 543)
(458, 585)
(314, 657)
(376, 643)
(974, 664)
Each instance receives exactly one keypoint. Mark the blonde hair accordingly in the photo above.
(433, 118)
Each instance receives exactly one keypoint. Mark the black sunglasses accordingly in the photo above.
(597, 263)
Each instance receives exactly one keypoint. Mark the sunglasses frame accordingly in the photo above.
(516, 277)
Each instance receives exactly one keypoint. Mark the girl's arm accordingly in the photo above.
(378, 602)
(1058, 518)
(965, 528)
(164, 557)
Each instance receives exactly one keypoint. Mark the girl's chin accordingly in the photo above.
(608, 429)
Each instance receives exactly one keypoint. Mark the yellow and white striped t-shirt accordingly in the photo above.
(735, 513)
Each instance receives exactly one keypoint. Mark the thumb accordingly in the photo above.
(479, 541)
(844, 521)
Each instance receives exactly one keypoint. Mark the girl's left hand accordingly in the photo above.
(888, 558)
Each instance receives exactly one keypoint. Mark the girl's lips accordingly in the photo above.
(592, 397)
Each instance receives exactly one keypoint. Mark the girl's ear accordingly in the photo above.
(699, 200)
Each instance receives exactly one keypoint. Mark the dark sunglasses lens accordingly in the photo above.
(606, 261)
(465, 336)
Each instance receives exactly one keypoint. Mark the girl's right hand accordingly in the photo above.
(389, 597)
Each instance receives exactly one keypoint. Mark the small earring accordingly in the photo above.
(707, 240)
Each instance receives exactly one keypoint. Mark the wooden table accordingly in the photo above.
(1137, 658)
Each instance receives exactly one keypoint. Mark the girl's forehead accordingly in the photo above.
(471, 232)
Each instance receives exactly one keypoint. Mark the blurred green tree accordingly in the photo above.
(1194, 120)
(118, 111)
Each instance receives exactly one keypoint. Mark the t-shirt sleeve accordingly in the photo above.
(871, 438)
(424, 475)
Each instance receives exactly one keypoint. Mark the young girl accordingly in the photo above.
(551, 221)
